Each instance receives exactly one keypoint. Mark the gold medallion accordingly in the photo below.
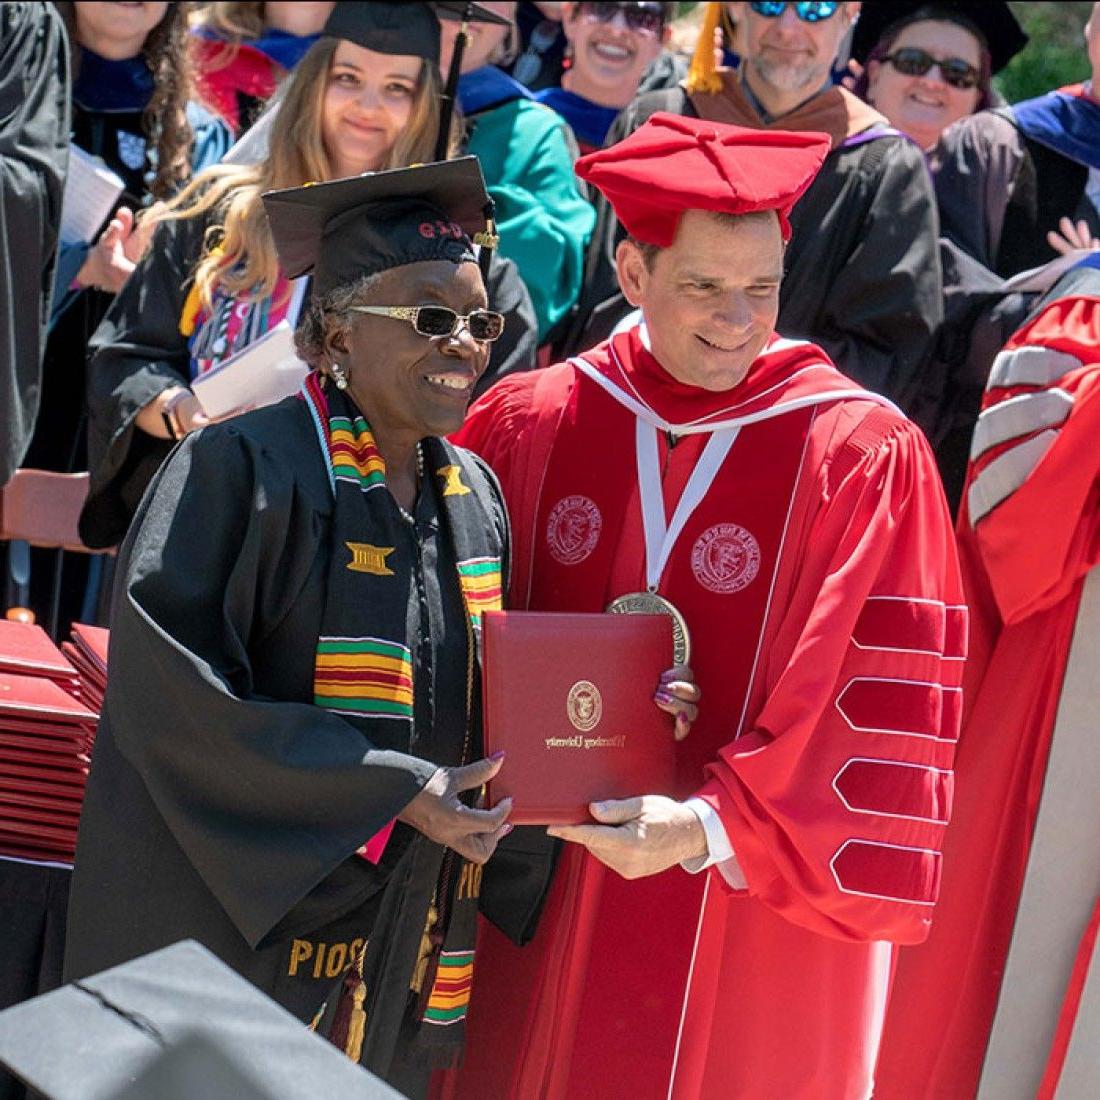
(649, 603)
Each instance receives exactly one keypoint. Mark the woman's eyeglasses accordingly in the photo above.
(643, 18)
(483, 324)
(813, 12)
(913, 61)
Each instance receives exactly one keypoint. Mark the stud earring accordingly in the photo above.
(339, 376)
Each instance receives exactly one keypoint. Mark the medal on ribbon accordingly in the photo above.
(661, 534)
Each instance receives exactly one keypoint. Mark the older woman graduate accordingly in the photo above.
(295, 665)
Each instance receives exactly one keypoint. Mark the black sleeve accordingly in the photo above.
(517, 349)
(223, 547)
(137, 353)
(878, 317)
(975, 166)
(34, 152)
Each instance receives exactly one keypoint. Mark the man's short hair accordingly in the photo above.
(649, 251)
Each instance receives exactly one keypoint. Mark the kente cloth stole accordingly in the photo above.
(364, 663)
(721, 571)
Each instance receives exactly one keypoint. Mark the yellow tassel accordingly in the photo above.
(357, 1025)
(702, 76)
(190, 311)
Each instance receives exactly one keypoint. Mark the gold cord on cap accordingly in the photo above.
(488, 237)
(702, 76)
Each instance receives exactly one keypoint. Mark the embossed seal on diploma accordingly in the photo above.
(584, 706)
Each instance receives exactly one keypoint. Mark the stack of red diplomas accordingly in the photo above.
(88, 653)
(46, 736)
(569, 698)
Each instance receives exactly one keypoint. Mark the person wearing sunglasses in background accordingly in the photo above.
(862, 271)
(526, 152)
(926, 65)
(610, 47)
(1017, 187)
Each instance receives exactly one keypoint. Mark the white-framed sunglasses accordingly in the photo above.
(484, 325)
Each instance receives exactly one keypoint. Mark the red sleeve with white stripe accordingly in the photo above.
(836, 801)
(1032, 490)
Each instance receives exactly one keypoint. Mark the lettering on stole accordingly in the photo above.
(309, 959)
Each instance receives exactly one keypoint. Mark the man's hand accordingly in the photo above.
(679, 694)
(639, 836)
(438, 813)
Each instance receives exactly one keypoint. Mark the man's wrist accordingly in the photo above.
(696, 845)
(718, 847)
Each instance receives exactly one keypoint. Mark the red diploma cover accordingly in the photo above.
(569, 699)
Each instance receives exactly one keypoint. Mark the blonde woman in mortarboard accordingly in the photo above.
(212, 284)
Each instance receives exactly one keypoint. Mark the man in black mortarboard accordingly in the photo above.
(292, 725)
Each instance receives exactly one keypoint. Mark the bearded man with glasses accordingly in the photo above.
(862, 274)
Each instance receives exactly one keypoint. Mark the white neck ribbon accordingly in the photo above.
(660, 537)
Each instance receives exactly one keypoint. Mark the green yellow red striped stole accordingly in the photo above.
(480, 581)
(367, 676)
(450, 995)
(354, 454)
(363, 670)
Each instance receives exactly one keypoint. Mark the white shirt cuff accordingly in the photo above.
(719, 850)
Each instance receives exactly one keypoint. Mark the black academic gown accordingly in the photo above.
(999, 193)
(34, 152)
(222, 804)
(861, 274)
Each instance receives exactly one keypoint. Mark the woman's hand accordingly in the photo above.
(1070, 237)
(108, 264)
(186, 411)
(440, 815)
(678, 694)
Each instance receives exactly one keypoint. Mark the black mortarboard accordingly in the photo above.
(387, 28)
(143, 1028)
(348, 228)
(993, 19)
(403, 28)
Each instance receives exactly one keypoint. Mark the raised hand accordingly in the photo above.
(1071, 236)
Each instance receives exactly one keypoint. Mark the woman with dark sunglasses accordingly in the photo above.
(928, 65)
(610, 47)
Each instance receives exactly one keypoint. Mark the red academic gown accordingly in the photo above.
(819, 580)
(1029, 534)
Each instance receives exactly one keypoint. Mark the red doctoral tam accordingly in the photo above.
(672, 164)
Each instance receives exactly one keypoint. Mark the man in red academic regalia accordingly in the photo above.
(797, 523)
(1000, 1003)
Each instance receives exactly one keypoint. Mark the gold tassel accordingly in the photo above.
(424, 954)
(702, 76)
(357, 1026)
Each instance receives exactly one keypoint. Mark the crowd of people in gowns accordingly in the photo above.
(776, 311)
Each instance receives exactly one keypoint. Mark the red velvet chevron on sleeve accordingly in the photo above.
(837, 799)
